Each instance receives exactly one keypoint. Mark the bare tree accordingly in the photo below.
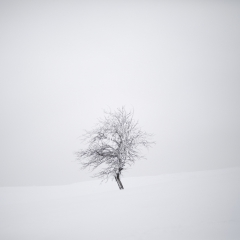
(114, 144)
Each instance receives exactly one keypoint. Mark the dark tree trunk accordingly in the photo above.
(119, 181)
(119, 185)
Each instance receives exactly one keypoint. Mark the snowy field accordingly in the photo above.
(197, 205)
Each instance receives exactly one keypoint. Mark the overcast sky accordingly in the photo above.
(176, 63)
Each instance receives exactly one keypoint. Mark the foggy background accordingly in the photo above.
(176, 63)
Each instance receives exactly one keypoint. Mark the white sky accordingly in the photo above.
(175, 63)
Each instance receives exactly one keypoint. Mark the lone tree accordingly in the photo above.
(114, 144)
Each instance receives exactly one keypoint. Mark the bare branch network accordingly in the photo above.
(114, 144)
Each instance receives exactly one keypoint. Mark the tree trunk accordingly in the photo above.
(119, 181)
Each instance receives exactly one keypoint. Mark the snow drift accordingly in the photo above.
(198, 205)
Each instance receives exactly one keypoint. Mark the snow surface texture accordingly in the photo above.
(198, 205)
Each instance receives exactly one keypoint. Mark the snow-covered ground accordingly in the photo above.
(198, 205)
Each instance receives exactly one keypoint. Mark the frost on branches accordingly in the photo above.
(113, 145)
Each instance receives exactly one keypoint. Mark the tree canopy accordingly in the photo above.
(114, 144)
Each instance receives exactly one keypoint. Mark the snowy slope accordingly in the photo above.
(198, 205)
